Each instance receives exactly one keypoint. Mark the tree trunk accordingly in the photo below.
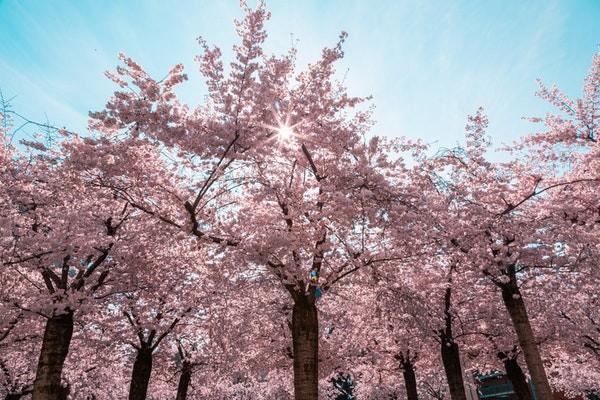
(305, 336)
(140, 377)
(517, 378)
(410, 381)
(451, 361)
(184, 381)
(55, 347)
(518, 314)
(14, 396)
(450, 351)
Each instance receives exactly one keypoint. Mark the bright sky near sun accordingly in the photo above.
(427, 63)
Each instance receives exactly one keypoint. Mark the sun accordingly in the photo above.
(285, 132)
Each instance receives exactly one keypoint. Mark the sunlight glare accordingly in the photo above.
(285, 132)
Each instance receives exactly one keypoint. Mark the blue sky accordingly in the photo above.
(427, 63)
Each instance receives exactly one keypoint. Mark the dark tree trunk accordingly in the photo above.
(451, 361)
(140, 377)
(55, 347)
(19, 395)
(450, 351)
(184, 381)
(515, 306)
(305, 336)
(410, 380)
(14, 396)
(517, 378)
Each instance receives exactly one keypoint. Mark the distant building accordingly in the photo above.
(496, 386)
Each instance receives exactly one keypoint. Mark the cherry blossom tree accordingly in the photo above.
(488, 196)
(503, 222)
(207, 251)
(273, 153)
(61, 236)
(155, 307)
(439, 313)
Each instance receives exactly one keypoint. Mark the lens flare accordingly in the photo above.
(285, 132)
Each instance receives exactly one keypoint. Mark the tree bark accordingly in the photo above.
(410, 381)
(184, 381)
(450, 351)
(453, 369)
(140, 377)
(305, 337)
(517, 378)
(515, 306)
(16, 396)
(55, 347)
